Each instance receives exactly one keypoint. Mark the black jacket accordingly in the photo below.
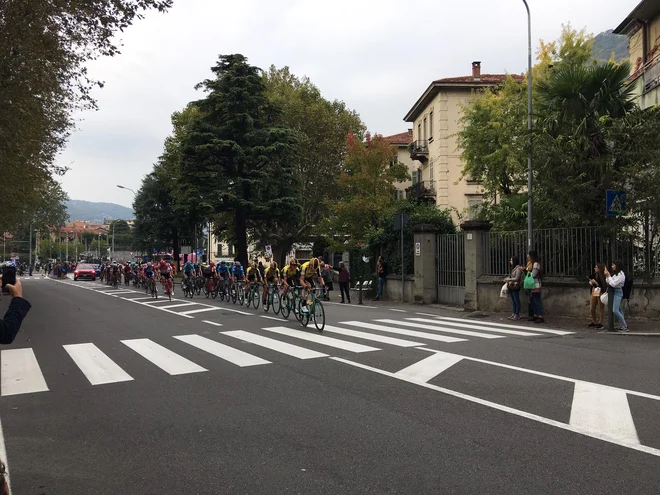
(11, 323)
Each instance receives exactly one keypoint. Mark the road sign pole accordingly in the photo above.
(610, 296)
(403, 287)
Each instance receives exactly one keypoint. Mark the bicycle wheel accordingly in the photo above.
(303, 312)
(296, 306)
(207, 293)
(256, 297)
(318, 315)
(248, 298)
(169, 291)
(267, 302)
(285, 309)
(241, 296)
(276, 302)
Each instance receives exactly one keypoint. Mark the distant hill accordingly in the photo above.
(607, 43)
(91, 211)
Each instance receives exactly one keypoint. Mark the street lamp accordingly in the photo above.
(127, 188)
(530, 218)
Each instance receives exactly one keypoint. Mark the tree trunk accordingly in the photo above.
(241, 236)
(175, 243)
(281, 249)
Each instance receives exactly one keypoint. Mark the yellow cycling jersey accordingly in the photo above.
(251, 271)
(309, 270)
(272, 273)
(290, 271)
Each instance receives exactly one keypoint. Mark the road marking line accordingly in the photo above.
(371, 336)
(504, 325)
(351, 305)
(425, 314)
(475, 327)
(212, 323)
(156, 307)
(320, 339)
(507, 409)
(115, 294)
(222, 351)
(603, 410)
(163, 299)
(21, 373)
(443, 329)
(398, 310)
(430, 367)
(402, 331)
(271, 318)
(199, 310)
(548, 375)
(165, 359)
(275, 345)
(235, 311)
(136, 298)
(96, 365)
(176, 306)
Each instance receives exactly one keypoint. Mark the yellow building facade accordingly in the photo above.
(642, 26)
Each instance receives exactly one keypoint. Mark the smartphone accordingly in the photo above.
(8, 277)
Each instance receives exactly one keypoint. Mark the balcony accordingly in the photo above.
(419, 150)
(421, 190)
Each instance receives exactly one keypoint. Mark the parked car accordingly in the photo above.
(84, 271)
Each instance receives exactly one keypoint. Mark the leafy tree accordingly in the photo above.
(365, 186)
(236, 158)
(156, 220)
(321, 128)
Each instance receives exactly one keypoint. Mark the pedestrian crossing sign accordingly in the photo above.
(616, 202)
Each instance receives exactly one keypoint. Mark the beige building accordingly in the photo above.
(642, 26)
(409, 189)
(435, 117)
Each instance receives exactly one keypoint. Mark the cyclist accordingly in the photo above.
(165, 272)
(207, 270)
(252, 274)
(148, 273)
(290, 275)
(115, 273)
(309, 273)
(237, 272)
(272, 276)
(223, 274)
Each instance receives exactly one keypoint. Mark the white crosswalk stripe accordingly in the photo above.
(222, 351)
(275, 345)
(371, 336)
(165, 359)
(505, 325)
(403, 331)
(443, 329)
(21, 373)
(444, 324)
(95, 365)
(321, 339)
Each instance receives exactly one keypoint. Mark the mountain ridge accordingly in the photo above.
(92, 211)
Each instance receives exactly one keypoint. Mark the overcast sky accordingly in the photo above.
(376, 55)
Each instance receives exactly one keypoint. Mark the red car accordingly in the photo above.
(84, 271)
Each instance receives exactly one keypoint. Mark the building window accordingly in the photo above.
(431, 125)
(424, 129)
(431, 170)
(415, 176)
(474, 207)
(419, 132)
(400, 194)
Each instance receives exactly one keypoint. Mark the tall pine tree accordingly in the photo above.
(235, 159)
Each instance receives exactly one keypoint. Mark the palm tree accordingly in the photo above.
(576, 98)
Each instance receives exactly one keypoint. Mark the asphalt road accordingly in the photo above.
(106, 393)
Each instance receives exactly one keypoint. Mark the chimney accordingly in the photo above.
(476, 70)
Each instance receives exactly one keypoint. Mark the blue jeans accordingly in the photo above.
(537, 304)
(515, 299)
(618, 295)
(379, 292)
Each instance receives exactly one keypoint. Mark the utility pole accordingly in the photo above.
(530, 218)
(112, 254)
(30, 248)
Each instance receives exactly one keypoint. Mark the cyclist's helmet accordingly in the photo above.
(149, 265)
(237, 263)
(222, 263)
(273, 265)
(162, 263)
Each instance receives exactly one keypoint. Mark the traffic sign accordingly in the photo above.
(400, 220)
(616, 202)
(418, 249)
(269, 251)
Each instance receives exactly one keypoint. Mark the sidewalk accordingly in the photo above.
(638, 326)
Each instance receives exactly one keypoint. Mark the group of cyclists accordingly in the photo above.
(293, 274)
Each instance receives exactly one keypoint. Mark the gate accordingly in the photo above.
(450, 261)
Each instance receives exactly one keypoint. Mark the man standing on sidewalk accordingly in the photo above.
(381, 270)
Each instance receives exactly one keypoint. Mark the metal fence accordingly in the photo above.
(451, 260)
(569, 252)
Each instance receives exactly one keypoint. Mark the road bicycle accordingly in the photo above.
(272, 298)
(187, 286)
(150, 287)
(167, 286)
(290, 303)
(312, 310)
(209, 286)
(253, 295)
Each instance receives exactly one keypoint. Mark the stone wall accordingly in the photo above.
(568, 297)
(392, 289)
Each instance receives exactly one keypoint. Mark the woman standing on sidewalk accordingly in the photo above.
(535, 294)
(513, 283)
(598, 287)
(343, 278)
(616, 280)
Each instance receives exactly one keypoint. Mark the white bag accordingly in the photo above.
(504, 292)
(603, 298)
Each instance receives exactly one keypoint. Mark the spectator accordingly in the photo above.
(4, 485)
(327, 280)
(262, 270)
(513, 283)
(18, 308)
(343, 278)
(598, 286)
(616, 280)
(535, 294)
(381, 270)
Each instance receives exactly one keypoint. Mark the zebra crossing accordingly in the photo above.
(21, 373)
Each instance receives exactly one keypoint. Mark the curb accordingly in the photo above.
(633, 334)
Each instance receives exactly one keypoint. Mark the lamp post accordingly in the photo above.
(127, 188)
(530, 218)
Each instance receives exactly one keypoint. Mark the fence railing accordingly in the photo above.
(451, 260)
(568, 252)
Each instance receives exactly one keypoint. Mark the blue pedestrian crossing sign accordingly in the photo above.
(616, 202)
